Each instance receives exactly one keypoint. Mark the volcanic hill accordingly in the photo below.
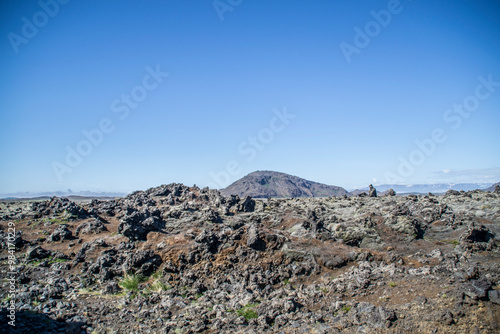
(264, 184)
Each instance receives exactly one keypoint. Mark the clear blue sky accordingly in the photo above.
(353, 121)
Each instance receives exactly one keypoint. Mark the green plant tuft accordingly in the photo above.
(248, 311)
(346, 308)
(131, 282)
(159, 286)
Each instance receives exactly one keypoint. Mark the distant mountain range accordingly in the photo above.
(61, 194)
(263, 184)
(430, 188)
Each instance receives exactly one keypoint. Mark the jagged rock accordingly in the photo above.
(476, 233)
(57, 206)
(208, 241)
(366, 313)
(452, 192)
(138, 199)
(37, 252)
(138, 225)
(478, 288)
(253, 239)
(441, 316)
(56, 287)
(390, 192)
(494, 295)
(104, 207)
(93, 226)
(80, 256)
(335, 262)
(246, 205)
(162, 190)
(111, 288)
(61, 233)
(17, 241)
(142, 262)
(212, 216)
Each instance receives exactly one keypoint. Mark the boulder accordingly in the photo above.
(253, 239)
(476, 233)
(37, 252)
(93, 226)
(494, 295)
(452, 192)
(61, 233)
(208, 241)
(137, 225)
(142, 262)
(246, 205)
(478, 288)
(390, 192)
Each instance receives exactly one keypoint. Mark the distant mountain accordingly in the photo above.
(492, 188)
(426, 188)
(68, 193)
(263, 184)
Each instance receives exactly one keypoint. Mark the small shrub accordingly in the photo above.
(131, 282)
(157, 275)
(392, 284)
(248, 312)
(346, 308)
(52, 261)
(159, 286)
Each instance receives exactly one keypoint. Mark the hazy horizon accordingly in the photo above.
(108, 97)
(383, 187)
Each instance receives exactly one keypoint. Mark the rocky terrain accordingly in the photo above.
(178, 259)
(264, 184)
